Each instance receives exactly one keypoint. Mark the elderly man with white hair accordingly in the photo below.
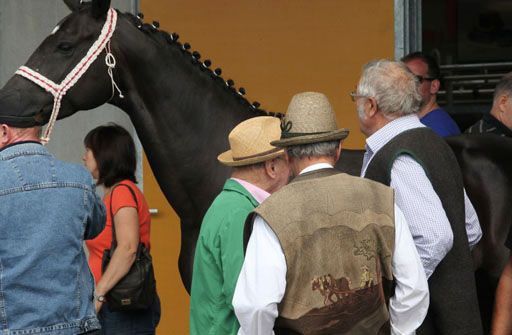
(404, 154)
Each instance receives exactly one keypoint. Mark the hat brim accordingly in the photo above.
(312, 138)
(226, 158)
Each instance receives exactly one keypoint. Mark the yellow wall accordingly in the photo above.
(274, 49)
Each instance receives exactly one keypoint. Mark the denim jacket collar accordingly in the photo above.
(23, 147)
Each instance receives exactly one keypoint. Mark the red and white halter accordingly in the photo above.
(59, 90)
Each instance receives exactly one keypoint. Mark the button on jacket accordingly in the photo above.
(47, 208)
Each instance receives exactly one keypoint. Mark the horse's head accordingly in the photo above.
(26, 103)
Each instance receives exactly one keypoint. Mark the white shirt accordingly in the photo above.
(414, 194)
(262, 281)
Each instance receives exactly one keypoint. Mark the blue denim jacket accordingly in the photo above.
(47, 208)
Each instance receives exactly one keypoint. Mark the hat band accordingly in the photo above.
(290, 134)
(20, 121)
(268, 152)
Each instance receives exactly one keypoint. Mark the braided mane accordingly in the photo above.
(152, 30)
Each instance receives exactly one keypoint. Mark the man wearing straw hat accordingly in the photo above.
(420, 166)
(258, 170)
(309, 244)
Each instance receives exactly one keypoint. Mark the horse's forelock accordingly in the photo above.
(73, 5)
(99, 8)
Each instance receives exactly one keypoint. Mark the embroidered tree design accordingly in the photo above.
(370, 249)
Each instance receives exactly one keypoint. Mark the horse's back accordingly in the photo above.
(486, 166)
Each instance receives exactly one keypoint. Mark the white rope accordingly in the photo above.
(110, 60)
(59, 90)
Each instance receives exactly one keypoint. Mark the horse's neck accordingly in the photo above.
(182, 118)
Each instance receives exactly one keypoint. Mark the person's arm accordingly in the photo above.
(409, 305)
(262, 282)
(231, 251)
(502, 317)
(421, 206)
(96, 216)
(126, 222)
(473, 228)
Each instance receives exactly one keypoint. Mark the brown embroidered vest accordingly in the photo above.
(337, 235)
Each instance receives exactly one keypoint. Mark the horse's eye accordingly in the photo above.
(65, 47)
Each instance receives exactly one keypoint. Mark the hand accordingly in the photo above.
(97, 305)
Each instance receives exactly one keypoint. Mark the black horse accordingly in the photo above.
(182, 111)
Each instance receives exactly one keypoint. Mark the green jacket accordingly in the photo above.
(218, 261)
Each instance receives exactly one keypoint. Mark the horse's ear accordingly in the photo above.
(74, 5)
(100, 7)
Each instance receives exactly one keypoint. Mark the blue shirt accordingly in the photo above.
(47, 208)
(441, 123)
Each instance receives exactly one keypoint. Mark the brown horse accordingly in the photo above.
(328, 287)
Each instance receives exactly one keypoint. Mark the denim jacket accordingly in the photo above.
(47, 208)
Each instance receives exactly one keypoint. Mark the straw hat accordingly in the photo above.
(250, 142)
(309, 119)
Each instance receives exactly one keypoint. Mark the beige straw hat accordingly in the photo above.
(250, 142)
(309, 119)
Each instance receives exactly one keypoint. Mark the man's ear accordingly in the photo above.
(435, 85)
(4, 135)
(338, 151)
(373, 107)
(270, 168)
(502, 102)
(286, 157)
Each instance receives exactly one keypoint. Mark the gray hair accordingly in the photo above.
(313, 150)
(393, 86)
(504, 86)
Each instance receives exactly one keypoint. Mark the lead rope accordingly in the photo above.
(110, 60)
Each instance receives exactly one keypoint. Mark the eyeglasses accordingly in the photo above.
(421, 79)
(354, 96)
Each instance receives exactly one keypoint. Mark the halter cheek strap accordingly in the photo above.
(59, 90)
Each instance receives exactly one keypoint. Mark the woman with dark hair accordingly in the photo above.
(111, 158)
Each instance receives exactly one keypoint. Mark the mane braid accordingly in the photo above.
(163, 37)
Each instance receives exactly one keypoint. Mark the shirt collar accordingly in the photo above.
(382, 136)
(317, 166)
(257, 193)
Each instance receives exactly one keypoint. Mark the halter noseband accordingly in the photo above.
(59, 90)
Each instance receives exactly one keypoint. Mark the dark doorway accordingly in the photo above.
(472, 39)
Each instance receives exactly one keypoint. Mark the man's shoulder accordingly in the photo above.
(229, 203)
(441, 122)
(234, 193)
(440, 113)
(419, 139)
(304, 190)
(73, 172)
(488, 124)
(476, 128)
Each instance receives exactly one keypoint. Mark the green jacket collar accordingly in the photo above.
(233, 186)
